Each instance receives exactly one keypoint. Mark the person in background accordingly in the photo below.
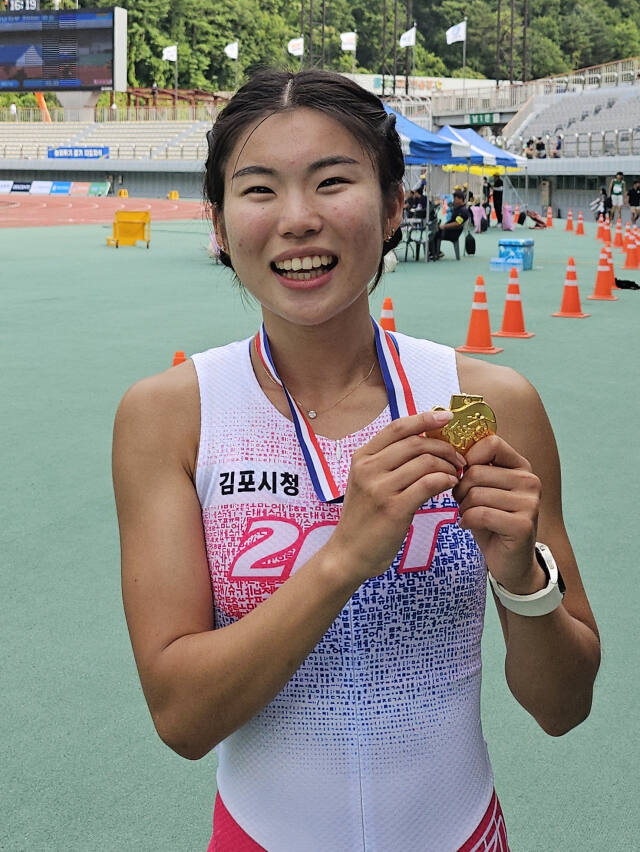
(601, 205)
(618, 196)
(452, 228)
(497, 197)
(557, 151)
(13, 112)
(486, 196)
(634, 201)
(541, 149)
(530, 151)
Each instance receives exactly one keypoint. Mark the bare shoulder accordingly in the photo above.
(513, 398)
(163, 412)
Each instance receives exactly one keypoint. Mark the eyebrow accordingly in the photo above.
(325, 162)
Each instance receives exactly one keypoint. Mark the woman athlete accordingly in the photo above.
(329, 648)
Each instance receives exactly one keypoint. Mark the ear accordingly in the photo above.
(394, 208)
(218, 226)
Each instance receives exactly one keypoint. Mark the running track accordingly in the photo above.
(18, 211)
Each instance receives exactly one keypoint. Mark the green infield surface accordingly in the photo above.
(82, 767)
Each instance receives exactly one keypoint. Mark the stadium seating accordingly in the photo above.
(604, 111)
(127, 140)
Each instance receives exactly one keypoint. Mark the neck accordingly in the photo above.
(320, 361)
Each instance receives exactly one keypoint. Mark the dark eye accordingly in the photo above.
(257, 190)
(333, 181)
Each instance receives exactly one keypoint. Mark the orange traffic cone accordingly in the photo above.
(625, 239)
(179, 358)
(606, 234)
(444, 206)
(513, 318)
(549, 222)
(612, 275)
(571, 306)
(631, 260)
(580, 227)
(607, 221)
(600, 227)
(617, 240)
(387, 320)
(602, 289)
(494, 218)
(479, 333)
(569, 226)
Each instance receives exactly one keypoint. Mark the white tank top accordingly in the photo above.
(375, 743)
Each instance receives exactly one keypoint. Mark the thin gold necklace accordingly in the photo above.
(311, 412)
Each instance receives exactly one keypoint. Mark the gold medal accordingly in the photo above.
(472, 421)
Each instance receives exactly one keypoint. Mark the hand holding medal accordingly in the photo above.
(472, 420)
(498, 496)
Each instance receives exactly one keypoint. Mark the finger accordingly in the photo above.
(417, 468)
(497, 498)
(494, 450)
(397, 454)
(507, 479)
(510, 525)
(426, 488)
(403, 427)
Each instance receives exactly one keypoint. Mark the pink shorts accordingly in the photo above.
(489, 836)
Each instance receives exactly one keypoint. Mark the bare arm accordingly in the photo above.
(202, 684)
(552, 660)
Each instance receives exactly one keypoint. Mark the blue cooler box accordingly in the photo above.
(517, 250)
(505, 264)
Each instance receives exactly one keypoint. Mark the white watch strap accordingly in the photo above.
(538, 603)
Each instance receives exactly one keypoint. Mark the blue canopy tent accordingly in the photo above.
(425, 146)
(483, 153)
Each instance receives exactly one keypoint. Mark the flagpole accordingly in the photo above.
(464, 64)
(175, 86)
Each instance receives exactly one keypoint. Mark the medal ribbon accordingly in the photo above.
(401, 404)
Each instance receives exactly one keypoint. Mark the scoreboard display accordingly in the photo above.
(79, 49)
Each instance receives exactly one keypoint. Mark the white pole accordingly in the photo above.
(464, 64)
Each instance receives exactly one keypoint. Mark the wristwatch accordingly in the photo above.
(539, 603)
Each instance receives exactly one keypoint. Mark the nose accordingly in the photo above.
(299, 216)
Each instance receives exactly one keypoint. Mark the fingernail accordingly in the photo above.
(461, 460)
(442, 416)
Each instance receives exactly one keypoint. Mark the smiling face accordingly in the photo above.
(304, 218)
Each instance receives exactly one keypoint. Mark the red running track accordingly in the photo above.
(25, 211)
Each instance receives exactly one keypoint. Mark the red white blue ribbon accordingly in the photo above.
(401, 404)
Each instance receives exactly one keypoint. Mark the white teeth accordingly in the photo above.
(307, 262)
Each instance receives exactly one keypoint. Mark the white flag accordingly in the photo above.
(170, 53)
(348, 41)
(232, 50)
(457, 33)
(408, 39)
(296, 46)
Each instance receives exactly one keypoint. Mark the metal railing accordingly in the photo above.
(26, 151)
(599, 143)
(508, 96)
(184, 112)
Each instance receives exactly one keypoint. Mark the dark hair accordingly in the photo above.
(459, 194)
(271, 92)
